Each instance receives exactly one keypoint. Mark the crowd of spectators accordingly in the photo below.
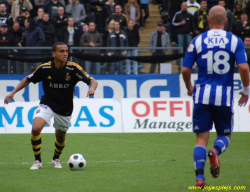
(111, 23)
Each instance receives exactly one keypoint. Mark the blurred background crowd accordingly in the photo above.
(113, 23)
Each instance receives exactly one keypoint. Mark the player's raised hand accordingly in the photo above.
(90, 92)
(8, 98)
(243, 99)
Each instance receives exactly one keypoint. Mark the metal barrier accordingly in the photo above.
(127, 66)
(120, 67)
(20, 67)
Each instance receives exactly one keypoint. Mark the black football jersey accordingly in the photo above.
(58, 85)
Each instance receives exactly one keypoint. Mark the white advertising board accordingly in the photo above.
(89, 116)
(111, 116)
(157, 115)
(171, 115)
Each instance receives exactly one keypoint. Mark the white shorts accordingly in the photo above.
(60, 122)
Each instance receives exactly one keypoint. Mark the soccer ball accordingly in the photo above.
(77, 162)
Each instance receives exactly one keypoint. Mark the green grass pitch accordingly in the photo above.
(138, 162)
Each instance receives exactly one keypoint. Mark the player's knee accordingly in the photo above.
(60, 139)
(36, 131)
(60, 136)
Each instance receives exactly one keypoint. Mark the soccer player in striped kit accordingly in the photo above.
(215, 53)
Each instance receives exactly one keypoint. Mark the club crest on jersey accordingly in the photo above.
(216, 40)
(67, 78)
(191, 48)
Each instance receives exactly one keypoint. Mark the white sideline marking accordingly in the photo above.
(114, 161)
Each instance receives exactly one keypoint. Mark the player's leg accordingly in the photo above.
(59, 146)
(200, 157)
(223, 120)
(41, 118)
(202, 123)
(36, 140)
(61, 125)
(221, 143)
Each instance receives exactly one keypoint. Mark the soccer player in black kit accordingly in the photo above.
(59, 78)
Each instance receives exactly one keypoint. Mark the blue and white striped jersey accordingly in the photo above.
(215, 53)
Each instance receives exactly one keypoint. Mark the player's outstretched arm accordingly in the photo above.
(186, 74)
(244, 74)
(92, 88)
(20, 86)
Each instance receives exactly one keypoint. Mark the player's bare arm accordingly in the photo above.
(186, 73)
(244, 74)
(92, 88)
(19, 87)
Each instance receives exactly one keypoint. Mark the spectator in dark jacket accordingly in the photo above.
(133, 41)
(175, 6)
(5, 17)
(119, 17)
(92, 39)
(60, 21)
(107, 32)
(48, 30)
(237, 12)
(33, 34)
(10, 2)
(247, 8)
(5, 2)
(16, 31)
(117, 38)
(247, 47)
(39, 16)
(242, 27)
(85, 29)
(95, 13)
(230, 17)
(107, 10)
(6, 40)
(183, 23)
(23, 16)
(71, 34)
(51, 7)
(200, 23)
(34, 37)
